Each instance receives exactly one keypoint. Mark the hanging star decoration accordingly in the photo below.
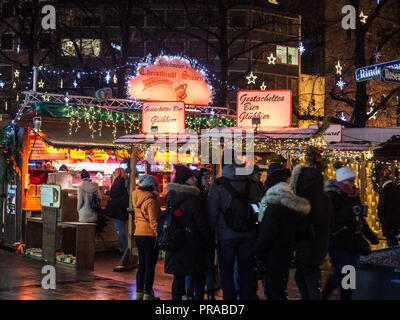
(14, 85)
(301, 48)
(108, 77)
(2, 84)
(75, 84)
(376, 54)
(16, 73)
(115, 79)
(251, 78)
(263, 86)
(369, 114)
(41, 83)
(271, 59)
(338, 68)
(363, 18)
(340, 83)
(371, 102)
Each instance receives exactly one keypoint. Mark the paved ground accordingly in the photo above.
(20, 279)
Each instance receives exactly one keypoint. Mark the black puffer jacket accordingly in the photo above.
(312, 245)
(282, 222)
(343, 234)
(389, 208)
(119, 200)
(191, 259)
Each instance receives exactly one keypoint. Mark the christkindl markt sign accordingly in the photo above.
(390, 75)
(374, 71)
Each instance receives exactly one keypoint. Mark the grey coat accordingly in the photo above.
(86, 191)
(219, 200)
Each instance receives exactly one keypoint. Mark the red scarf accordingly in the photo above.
(351, 191)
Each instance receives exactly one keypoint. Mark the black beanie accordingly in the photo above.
(84, 174)
(279, 175)
(182, 173)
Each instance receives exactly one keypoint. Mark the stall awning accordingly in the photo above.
(374, 136)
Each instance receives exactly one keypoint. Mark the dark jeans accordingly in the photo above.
(340, 257)
(147, 263)
(308, 280)
(178, 287)
(227, 251)
(275, 286)
(209, 275)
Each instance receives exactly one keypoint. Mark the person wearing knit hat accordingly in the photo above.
(146, 206)
(389, 210)
(182, 174)
(190, 255)
(348, 218)
(84, 174)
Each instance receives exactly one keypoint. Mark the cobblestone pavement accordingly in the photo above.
(20, 279)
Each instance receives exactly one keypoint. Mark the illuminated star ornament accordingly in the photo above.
(338, 68)
(2, 84)
(301, 48)
(251, 78)
(340, 83)
(371, 102)
(115, 79)
(108, 77)
(363, 18)
(376, 54)
(16, 73)
(271, 59)
(41, 83)
(263, 86)
(75, 84)
(369, 112)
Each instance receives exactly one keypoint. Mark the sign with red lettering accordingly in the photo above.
(272, 107)
(170, 79)
(163, 117)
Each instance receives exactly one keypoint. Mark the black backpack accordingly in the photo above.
(170, 234)
(95, 203)
(239, 216)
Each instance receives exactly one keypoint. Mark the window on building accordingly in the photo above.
(6, 72)
(7, 10)
(239, 48)
(137, 18)
(287, 55)
(153, 47)
(87, 47)
(281, 54)
(197, 49)
(174, 47)
(138, 49)
(7, 41)
(281, 83)
(238, 18)
(269, 81)
(154, 18)
(176, 18)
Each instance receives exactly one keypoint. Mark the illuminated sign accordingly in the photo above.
(170, 79)
(77, 154)
(272, 107)
(163, 117)
(41, 151)
(374, 71)
(99, 155)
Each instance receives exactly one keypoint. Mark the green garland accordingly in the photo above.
(315, 158)
(10, 154)
(380, 169)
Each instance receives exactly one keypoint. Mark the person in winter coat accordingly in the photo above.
(282, 222)
(312, 246)
(389, 210)
(348, 225)
(117, 206)
(86, 190)
(191, 257)
(231, 244)
(145, 203)
(203, 183)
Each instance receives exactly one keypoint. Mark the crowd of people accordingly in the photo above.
(294, 220)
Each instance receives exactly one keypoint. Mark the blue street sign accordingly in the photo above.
(390, 75)
(374, 71)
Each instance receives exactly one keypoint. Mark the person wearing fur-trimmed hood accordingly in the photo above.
(312, 245)
(274, 249)
(191, 258)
